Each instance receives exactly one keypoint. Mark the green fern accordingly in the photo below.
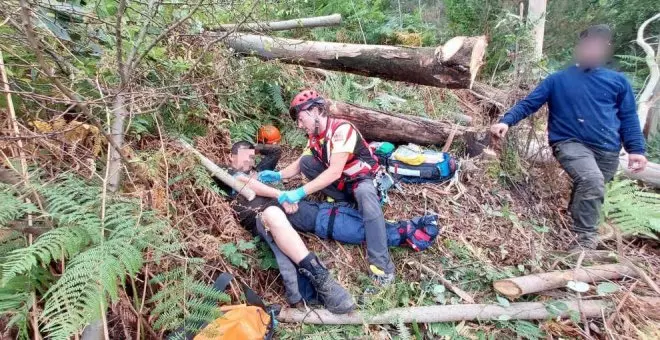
(404, 333)
(100, 252)
(633, 210)
(275, 93)
(184, 303)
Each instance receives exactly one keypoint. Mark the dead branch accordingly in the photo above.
(645, 101)
(322, 21)
(221, 174)
(446, 313)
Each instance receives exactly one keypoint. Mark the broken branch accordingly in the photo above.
(322, 21)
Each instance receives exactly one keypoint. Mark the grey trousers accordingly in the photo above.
(589, 169)
(368, 204)
(303, 220)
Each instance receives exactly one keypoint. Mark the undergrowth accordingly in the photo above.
(98, 245)
(631, 209)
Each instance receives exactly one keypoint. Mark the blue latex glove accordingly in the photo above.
(269, 176)
(292, 196)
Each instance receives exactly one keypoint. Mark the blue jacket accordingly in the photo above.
(596, 107)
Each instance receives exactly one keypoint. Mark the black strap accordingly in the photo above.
(331, 223)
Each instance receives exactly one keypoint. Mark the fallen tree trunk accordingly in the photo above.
(446, 313)
(324, 21)
(221, 174)
(377, 125)
(540, 152)
(517, 286)
(650, 175)
(454, 64)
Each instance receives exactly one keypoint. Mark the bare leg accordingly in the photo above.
(286, 238)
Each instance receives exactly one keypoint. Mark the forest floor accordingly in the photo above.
(494, 226)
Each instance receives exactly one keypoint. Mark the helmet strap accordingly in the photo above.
(317, 126)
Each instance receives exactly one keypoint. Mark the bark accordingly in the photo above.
(377, 125)
(453, 65)
(646, 97)
(517, 286)
(446, 313)
(536, 17)
(221, 174)
(117, 134)
(324, 21)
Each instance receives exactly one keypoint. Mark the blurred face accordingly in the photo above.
(307, 120)
(244, 160)
(591, 52)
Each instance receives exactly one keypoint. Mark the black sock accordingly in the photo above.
(308, 261)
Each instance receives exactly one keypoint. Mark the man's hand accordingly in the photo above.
(499, 130)
(269, 176)
(292, 196)
(636, 163)
(290, 208)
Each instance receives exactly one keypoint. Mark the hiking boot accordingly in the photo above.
(335, 298)
(379, 277)
(584, 241)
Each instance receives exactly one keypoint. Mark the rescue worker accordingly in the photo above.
(339, 163)
(592, 113)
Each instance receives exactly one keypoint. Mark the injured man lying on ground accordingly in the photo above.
(306, 279)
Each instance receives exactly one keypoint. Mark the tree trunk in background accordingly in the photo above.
(119, 114)
(324, 21)
(536, 17)
(452, 65)
(649, 93)
(377, 125)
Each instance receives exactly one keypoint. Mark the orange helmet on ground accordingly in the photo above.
(303, 101)
(268, 134)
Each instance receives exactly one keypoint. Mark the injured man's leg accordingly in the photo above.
(335, 298)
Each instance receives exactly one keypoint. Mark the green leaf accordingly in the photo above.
(243, 246)
(158, 52)
(578, 286)
(503, 302)
(438, 289)
(607, 288)
(556, 308)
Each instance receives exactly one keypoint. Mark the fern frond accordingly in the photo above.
(275, 94)
(76, 298)
(404, 333)
(47, 247)
(631, 209)
(183, 301)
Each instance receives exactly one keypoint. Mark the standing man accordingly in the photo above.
(592, 113)
(341, 165)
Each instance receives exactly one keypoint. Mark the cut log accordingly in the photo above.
(377, 125)
(517, 286)
(453, 65)
(447, 313)
(324, 21)
(220, 173)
